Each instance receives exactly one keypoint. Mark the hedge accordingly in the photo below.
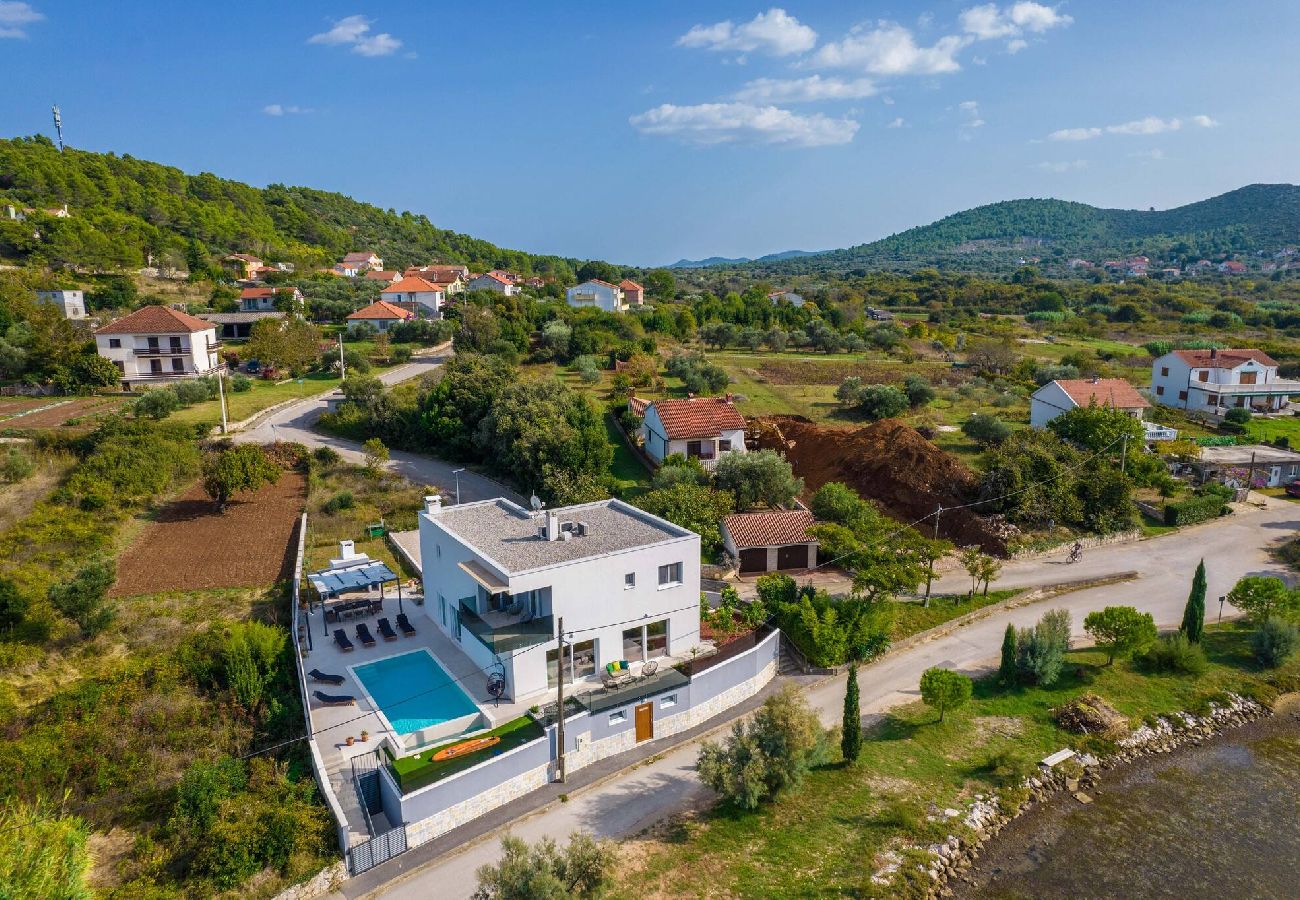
(1193, 510)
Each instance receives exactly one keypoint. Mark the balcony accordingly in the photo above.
(503, 633)
(162, 351)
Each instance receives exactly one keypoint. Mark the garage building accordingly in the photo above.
(775, 541)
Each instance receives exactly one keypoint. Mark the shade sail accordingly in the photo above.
(329, 582)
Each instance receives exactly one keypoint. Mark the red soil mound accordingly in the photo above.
(888, 462)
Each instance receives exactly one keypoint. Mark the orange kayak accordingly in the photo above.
(464, 747)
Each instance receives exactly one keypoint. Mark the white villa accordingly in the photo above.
(703, 428)
(1061, 396)
(597, 293)
(1213, 381)
(381, 314)
(417, 295)
(71, 303)
(159, 344)
(498, 579)
(495, 282)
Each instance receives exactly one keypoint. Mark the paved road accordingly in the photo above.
(294, 423)
(624, 805)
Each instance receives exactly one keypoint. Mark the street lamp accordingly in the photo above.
(1221, 602)
(456, 473)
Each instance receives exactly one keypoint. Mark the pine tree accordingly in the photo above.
(1194, 613)
(851, 733)
(1007, 672)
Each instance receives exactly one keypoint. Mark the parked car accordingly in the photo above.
(1293, 489)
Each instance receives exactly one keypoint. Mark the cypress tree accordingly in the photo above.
(851, 733)
(1007, 672)
(1194, 613)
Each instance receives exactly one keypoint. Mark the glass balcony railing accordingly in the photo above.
(503, 633)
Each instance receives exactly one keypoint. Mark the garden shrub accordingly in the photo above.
(1040, 651)
(339, 502)
(1194, 509)
(1274, 642)
(241, 383)
(1173, 654)
(326, 456)
(15, 466)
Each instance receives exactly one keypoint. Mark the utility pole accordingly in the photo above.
(343, 372)
(221, 393)
(559, 697)
(1123, 457)
(58, 125)
(456, 473)
(1250, 475)
(938, 511)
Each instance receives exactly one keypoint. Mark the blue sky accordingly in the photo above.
(645, 132)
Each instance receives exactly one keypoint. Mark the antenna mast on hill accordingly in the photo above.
(58, 125)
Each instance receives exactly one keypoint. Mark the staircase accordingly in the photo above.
(790, 661)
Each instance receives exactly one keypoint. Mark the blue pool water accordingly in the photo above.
(414, 692)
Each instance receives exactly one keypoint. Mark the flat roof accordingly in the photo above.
(506, 535)
(1240, 455)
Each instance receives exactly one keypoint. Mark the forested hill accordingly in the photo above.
(122, 210)
(996, 237)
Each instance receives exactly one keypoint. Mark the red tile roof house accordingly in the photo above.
(362, 261)
(157, 344)
(242, 265)
(417, 295)
(699, 427)
(494, 281)
(381, 314)
(775, 541)
(262, 299)
(383, 275)
(633, 293)
(1057, 397)
(1212, 381)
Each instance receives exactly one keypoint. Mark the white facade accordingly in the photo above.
(431, 302)
(708, 449)
(1218, 381)
(496, 285)
(159, 358)
(627, 589)
(72, 303)
(1051, 400)
(599, 294)
(263, 300)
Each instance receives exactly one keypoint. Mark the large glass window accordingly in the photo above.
(579, 662)
(670, 574)
(645, 642)
(656, 643)
(634, 644)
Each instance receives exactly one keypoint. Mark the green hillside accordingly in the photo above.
(1259, 217)
(125, 211)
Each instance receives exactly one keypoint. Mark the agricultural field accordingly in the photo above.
(75, 414)
(344, 502)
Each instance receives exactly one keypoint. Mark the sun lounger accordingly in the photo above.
(364, 635)
(386, 629)
(318, 675)
(335, 699)
(405, 625)
(341, 638)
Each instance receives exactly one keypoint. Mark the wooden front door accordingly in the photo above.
(753, 559)
(645, 722)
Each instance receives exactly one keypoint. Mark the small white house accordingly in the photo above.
(496, 282)
(362, 261)
(498, 578)
(776, 541)
(1214, 381)
(72, 303)
(788, 296)
(417, 295)
(1061, 396)
(702, 428)
(381, 314)
(157, 344)
(262, 299)
(597, 293)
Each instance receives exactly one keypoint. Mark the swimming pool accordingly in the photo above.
(415, 694)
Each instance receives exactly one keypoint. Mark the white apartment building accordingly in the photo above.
(498, 579)
(1213, 381)
(702, 428)
(72, 303)
(158, 344)
(597, 293)
(417, 294)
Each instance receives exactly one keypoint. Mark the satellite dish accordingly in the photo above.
(535, 502)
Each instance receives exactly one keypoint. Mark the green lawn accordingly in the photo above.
(632, 476)
(821, 839)
(1258, 430)
(913, 617)
(262, 395)
(415, 772)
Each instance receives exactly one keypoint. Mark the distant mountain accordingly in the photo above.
(1258, 218)
(124, 211)
(727, 261)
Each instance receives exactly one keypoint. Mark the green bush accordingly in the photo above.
(1238, 415)
(1040, 651)
(401, 355)
(326, 456)
(339, 502)
(156, 404)
(15, 466)
(240, 383)
(1173, 654)
(190, 392)
(1194, 509)
(1274, 642)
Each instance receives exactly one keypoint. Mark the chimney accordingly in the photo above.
(347, 550)
(1214, 353)
(552, 526)
(730, 397)
(690, 395)
(433, 504)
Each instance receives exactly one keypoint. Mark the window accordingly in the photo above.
(645, 642)
(629, 581)
(634, 644)
(724, 445)
(579, 662)
(617, 718)
(114, 343)
(442, 610)
(670, 575)
(455, 619)
(121, 366)
(178, 364)
(656, 638)
(1160, 390)
(1182, 395)
(1203, 375)
(670, 700)
(1164, 371)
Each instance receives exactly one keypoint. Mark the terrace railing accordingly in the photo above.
(509, 636)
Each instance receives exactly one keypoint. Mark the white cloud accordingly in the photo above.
(805, 90)
(280, 109)
(1147, 125)
(736, 123)
(896, 123)
(1154, 154)
(891, 49)
(970, 113)
(1204, 122)
(990, 22)
(1057, 168)
(775, 32)
(354, 31)
(14, 17)
(1074, 134)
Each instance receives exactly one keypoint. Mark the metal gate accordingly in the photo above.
(379, 849)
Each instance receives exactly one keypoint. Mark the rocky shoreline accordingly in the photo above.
(952, 860)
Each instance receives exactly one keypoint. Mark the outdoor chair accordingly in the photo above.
(335, 699)
(341, 638)
(405, 625)
(364, 635)
(650, 668)
(376, 606)
(331, 616)
(386, 629)
(515, 609)
(323, 678)
(617, 674)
